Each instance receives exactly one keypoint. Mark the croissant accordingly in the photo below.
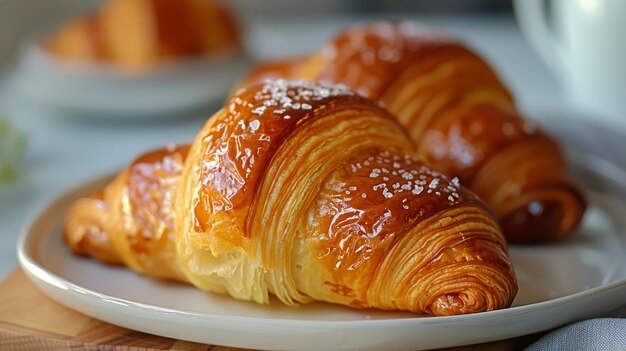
(132, 221)
(307, 192)
(135, 34)
(461, 117)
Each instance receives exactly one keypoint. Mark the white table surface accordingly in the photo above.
(63, 152)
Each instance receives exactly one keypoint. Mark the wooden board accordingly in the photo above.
(30, 320)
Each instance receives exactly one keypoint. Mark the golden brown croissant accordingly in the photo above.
(307, 192)
(461, 117)
(135, 34)
(132, 220)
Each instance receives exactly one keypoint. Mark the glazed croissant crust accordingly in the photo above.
(306, 192)
(461, 117)
(132, 221)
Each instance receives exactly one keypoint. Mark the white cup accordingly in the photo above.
(584, 44)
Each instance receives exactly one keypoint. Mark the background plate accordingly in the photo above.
(100, 91)
(581, 278)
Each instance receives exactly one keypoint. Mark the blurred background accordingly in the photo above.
(21, 18)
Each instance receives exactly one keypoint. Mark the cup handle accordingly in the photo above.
(532, 19)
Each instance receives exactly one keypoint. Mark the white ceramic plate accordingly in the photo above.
(103, 92)
(581, 278)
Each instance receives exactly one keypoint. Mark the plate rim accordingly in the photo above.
(32, 52)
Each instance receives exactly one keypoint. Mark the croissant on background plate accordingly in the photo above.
(307, 192)
(136, 34)
(461, 117)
